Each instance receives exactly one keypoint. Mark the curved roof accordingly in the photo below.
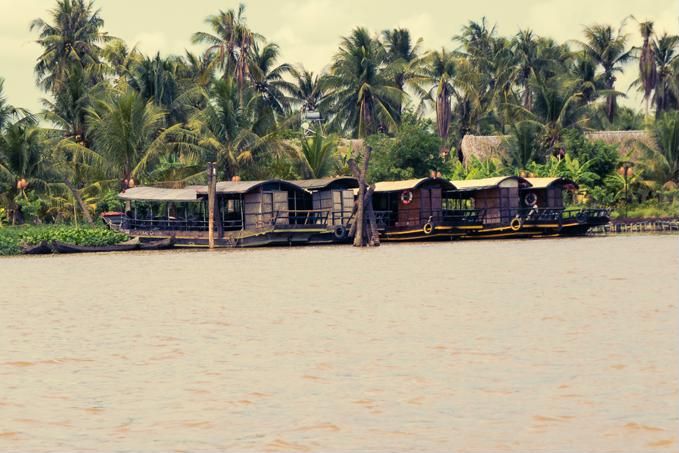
(409, 184)
(347, 182)
(486, 183)
(544, 183)
(145, 193)
(241, 187)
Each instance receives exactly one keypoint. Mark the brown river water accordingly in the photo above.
(525, 345)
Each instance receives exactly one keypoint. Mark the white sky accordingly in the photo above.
(308, 31)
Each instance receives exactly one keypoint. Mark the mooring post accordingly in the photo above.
(211, 192)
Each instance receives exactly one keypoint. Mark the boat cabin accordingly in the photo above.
(546, 192)
(498, 198)
(335, 195)
(252, 205)
(158, 208)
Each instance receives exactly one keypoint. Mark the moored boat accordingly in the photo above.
(422, 209)
(160, 244)
(246, 213)
(42, 248)
(62, 247)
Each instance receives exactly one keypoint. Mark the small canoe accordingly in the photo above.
(160, 244)
(61, 247)
(39, 249)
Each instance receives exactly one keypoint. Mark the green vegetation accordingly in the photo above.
(114, 117)
(13, 238)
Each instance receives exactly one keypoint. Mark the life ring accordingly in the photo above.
(516, 224)
(428, 228)
(406, 197)
(340, 232)
(530, 199)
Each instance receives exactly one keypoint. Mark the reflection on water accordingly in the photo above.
(566, 345)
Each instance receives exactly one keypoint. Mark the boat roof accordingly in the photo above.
(147, 193)
(544, 183)
(348, 182)
(241, 187)
(485, 183)
(409, 184)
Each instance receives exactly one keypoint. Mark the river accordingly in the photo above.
(523, 345)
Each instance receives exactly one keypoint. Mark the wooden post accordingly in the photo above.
(211, 195)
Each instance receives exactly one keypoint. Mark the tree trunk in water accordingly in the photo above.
(365, 225)
(79, 200)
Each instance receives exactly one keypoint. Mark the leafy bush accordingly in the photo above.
(13, 238)
(412, 153)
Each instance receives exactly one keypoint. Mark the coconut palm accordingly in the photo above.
(308, 91)
(23, 164)
(435, 83)
(663, 161)
(364, 98)
(229, 43)
(129, 133)
(224, 133)
(607, 48)
(647, 67)
(317, 156)
(523, 145)
(402, 56)
(71, 38)
(270, 99)
(557, 107)
(666, 53)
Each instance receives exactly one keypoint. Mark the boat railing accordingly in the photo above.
(531, 216)
(315, 217)
(166, 224)
(417, 217)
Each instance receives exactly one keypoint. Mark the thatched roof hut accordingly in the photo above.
(628, 142)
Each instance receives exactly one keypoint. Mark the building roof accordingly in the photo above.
(485, 183)
(409, 184)
(628, 142)
(145, 193)
(544, 183)
(241, 187)
(323, 183)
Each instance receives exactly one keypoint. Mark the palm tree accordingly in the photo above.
(23, 164)
(72, 38)
(129, 133)
(666, 52)
(525, 49)
(223, 129)
(271, 91)
(435, 83)
(647, 67)
(663, 162)
(557, 107)
(607, 48)
(318, 156)
(229, 43)
(308, 90)
(403, 57)
(523, 145)
(364, 99)
(8, 112)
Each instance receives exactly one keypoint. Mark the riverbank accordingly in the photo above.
(12, 238)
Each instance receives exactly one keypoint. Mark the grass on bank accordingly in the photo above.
(12, 238)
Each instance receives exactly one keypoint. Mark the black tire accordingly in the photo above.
(340, 232)
(581, 217)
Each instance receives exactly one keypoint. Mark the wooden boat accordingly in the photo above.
(160, 244)
(61, 247)
(247, 213)
(422, 210)
(516, 207)
(42, 248)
